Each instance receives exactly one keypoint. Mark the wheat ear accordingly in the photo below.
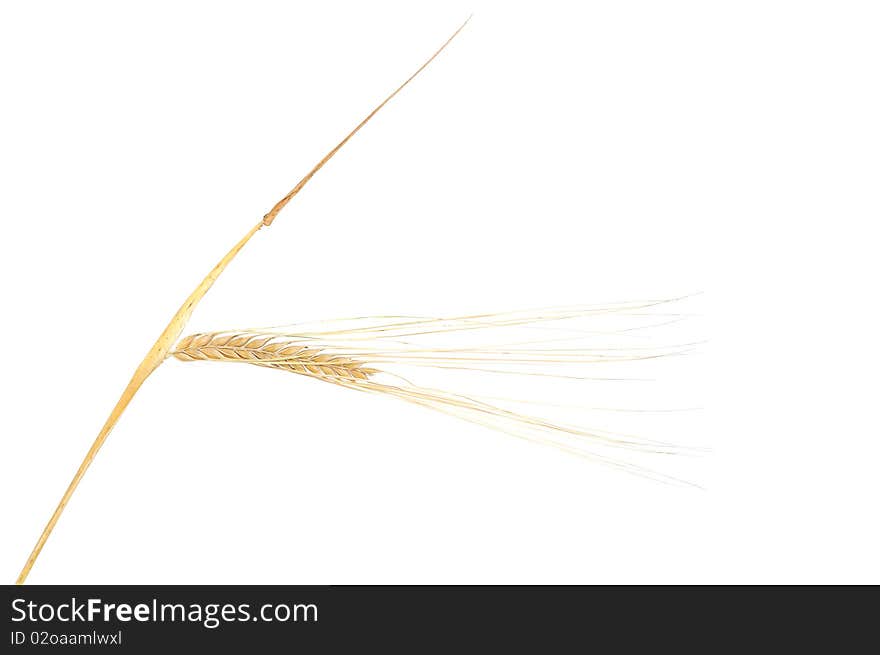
(272, 351)
(159, 351)
(387, 356)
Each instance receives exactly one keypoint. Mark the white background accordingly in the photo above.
(556, 153)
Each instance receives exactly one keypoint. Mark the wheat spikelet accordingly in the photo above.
(272, 351)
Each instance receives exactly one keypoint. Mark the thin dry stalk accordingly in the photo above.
(159, 351)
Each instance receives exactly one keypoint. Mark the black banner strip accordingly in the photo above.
(269, 619)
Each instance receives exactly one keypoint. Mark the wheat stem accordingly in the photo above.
(158, 352)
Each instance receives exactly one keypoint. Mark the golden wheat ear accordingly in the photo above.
(401, 357)
(160, 349)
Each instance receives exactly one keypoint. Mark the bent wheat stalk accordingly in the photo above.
(160, 349)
